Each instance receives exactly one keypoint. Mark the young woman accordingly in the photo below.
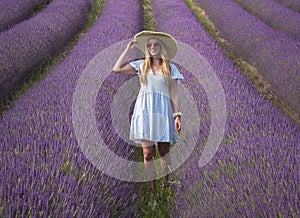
(156, 117)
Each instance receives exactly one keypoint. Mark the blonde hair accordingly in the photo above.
(166, 70)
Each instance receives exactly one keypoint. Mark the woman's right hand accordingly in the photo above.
(131, 44)
(127, 68)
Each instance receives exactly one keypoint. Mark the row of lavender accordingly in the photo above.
(15, 11)
(292, 4)
(34, 41)
(273, 53)
(275, 15)
(254, 172)
(44, 172)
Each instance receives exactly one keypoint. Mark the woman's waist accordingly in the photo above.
(154, 93)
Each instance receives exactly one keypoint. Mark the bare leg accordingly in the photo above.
(149, 155)
(165, 161)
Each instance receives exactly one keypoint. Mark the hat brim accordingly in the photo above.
(168, 41)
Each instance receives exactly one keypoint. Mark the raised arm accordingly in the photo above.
(122, 68)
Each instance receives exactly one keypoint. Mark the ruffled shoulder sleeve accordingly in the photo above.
(175, 74)
(137, 65)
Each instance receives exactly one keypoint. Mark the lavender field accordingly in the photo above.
(15, 11)
(44, 171)
(34, 41)
(273, 53)
(265, 10)
(292, 4)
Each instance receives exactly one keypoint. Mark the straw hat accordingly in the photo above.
(168, 41)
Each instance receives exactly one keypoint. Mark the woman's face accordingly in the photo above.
(154, 47)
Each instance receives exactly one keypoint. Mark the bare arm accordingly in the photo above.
(175, 102)
(174, 95)
(122, 68)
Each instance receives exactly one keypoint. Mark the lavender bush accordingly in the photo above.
(273, 53)
(44, 172)
(34, 41)
(275, 15)
(292, 4)
(254, 173)
(15, 11)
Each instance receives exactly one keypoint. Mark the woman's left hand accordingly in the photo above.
(178, 124)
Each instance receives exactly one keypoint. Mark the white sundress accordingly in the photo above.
(152, 116)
